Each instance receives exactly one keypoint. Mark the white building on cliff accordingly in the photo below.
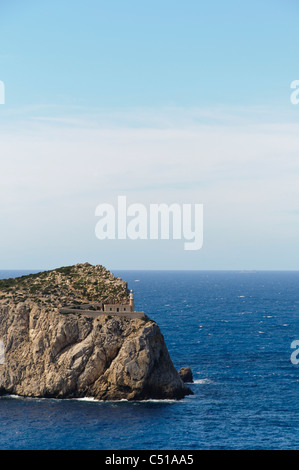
(122, 308)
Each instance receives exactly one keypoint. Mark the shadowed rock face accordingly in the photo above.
(48, 354)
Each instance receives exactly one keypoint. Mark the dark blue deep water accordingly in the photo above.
(234, 329)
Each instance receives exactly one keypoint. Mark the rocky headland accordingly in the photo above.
(48, 353)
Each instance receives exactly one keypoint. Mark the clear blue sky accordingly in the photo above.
(116, 53)
(162, 101)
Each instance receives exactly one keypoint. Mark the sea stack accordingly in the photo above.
(186, 374)
(59, 340)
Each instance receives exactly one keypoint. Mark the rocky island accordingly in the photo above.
(59, 342)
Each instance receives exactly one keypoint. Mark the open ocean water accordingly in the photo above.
(234, 329)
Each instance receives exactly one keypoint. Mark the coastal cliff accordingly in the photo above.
(51, 354)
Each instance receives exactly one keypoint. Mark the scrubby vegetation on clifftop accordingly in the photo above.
(81, 283)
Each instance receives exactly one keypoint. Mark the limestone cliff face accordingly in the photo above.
(48, 354)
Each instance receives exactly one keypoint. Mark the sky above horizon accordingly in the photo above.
(161, 102)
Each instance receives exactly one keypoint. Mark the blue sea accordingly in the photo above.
(234, 329)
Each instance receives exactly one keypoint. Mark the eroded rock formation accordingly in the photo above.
(48, 354)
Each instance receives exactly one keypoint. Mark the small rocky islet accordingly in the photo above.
(59, 342)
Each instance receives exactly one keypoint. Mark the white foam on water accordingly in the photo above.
(85, 399)
(203, 381)
(92, 399)
(17, 397)
(157, 400)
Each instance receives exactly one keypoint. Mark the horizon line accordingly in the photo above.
(165, 269)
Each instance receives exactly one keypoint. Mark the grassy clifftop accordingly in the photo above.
(67, 285)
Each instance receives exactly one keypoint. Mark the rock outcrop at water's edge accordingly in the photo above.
(49, 354)
(186, 374)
